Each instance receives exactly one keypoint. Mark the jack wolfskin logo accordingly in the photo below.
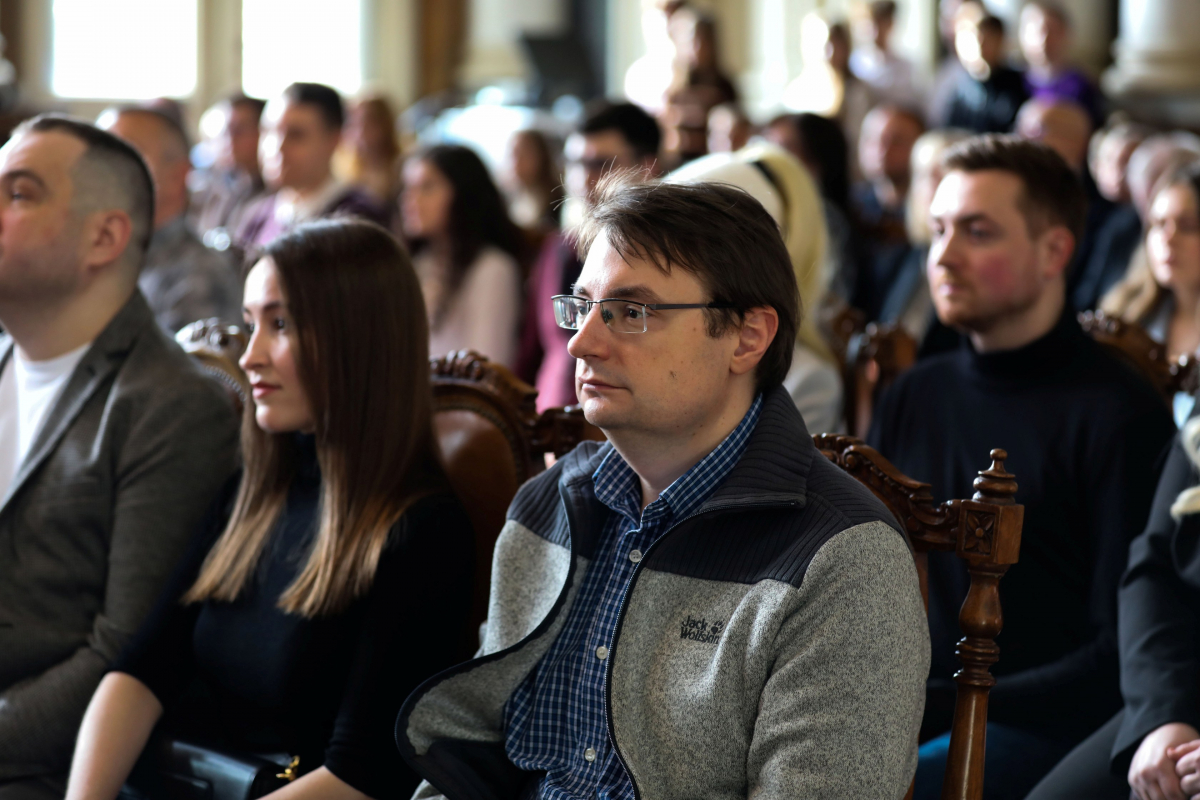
(699, 630)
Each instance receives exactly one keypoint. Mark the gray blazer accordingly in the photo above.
(97, 516)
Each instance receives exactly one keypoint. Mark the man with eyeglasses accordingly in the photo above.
(614, 137)
(702, 606)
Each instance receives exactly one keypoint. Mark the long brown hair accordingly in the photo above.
(361, 335)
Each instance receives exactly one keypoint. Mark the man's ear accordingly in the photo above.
(106, 236)
(1057, 246)
(759, 326)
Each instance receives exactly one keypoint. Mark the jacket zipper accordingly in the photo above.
(612, 646)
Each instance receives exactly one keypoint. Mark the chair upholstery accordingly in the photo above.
(984, 531)
(492, 441)
(1135, 347)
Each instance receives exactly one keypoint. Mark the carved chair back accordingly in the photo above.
(492, 441)
(985, 532)
(216, 347)
(875, 358)
(1148, 356)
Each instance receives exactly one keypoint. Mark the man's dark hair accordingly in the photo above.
(883, 11)
(239, 100)
(1051, 193)
(109, 174)
(638, 127)
(327, 101)
(990, 23)
(716, 232)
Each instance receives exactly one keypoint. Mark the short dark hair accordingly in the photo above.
(108, 165)
(638, 127)
(716, 232)
(327, 101)
(990, 23)
(1052, 193)
(882, 11)
(237, 99)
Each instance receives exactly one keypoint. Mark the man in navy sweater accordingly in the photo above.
(1084, 434)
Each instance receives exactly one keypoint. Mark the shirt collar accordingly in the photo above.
(618, 487)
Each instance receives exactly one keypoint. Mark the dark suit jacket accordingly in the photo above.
(97, 516)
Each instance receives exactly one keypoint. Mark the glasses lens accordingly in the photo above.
(624, 317)
(568, 312)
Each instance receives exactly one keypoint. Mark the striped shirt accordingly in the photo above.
(555, 720)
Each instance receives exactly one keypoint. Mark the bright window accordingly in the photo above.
(301, 40)
(124, 49)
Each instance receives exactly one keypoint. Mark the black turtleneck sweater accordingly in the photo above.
(1084, 436)
(250, 678)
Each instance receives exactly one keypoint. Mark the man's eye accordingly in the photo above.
(634, 313)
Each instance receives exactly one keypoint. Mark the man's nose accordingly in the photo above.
(592, 337)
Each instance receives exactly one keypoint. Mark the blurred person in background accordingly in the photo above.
(826, 86)
(614, 136)
(890, 76)
(1065, 127)
(370, 152)
(1045, 37)
(182, 279)
(821, 147)
(649, 78)
(1163, 297)
(222, 192)
(780, 182)
(950, 71)
(729, 129)
(885, 154)
(533, 182)
(1121, 233)
(988, 94)
(466, 252)
(301, 131)
(907, 302)
(699, 85)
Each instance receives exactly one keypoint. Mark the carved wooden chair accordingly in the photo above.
(216, 347)
(985, 532)
(492, 441)
(1147, 355)
(874, 359)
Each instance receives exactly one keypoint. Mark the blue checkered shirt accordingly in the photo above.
(555, 720)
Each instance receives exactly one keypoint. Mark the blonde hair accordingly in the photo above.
(804, 234)
(1136, 296)
(1188, 501)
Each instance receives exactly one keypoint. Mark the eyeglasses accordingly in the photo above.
(621, 316)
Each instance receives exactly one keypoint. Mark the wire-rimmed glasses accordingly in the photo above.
(621, 316)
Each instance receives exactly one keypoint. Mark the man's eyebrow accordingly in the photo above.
(638, 293)
(965, 219)
(28, 174)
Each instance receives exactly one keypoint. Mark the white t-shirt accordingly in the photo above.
(28, 390)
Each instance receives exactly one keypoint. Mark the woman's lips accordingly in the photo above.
(261, 389)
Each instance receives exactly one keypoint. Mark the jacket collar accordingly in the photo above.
(103, 358)
(772, 471)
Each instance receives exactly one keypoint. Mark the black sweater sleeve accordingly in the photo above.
(413, 627)
(161, 655)
(1159, 634)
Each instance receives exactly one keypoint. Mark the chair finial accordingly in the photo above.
(995, 484)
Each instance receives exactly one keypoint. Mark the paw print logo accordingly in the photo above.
(715, 630)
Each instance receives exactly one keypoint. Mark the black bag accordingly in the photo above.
(171, 769)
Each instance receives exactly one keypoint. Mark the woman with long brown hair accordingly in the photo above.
(335, 575)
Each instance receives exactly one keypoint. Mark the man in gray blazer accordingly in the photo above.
(112, 443)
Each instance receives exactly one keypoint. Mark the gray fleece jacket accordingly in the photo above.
(807, 680)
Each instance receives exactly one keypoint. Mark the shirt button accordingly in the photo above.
(589, 755)
(635, 556)
(601, 652)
